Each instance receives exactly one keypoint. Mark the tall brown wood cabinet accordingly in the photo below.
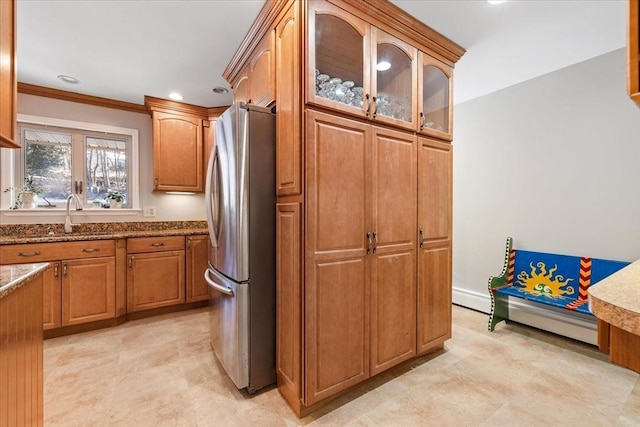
(8, 74)
(364, 178)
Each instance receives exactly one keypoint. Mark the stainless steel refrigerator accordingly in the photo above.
(240, 205)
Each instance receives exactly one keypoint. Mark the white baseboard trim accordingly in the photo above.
(573, 325)
(470, 299)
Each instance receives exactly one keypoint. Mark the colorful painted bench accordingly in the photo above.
(551, 279)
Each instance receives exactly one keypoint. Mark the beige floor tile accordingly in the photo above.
(161, 371)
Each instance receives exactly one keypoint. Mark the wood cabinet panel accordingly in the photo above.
(52, 296)
(435, 180)
(155, 280)
(154, 244)
(289, 141)
(393, 277)
(8, 75)
(434, 253)
(21, 360)
(197, 258)
(393, 200)
(336, 332)
(88, 290)
(434, 295)
(44, 252)
(336, 288)
(289, 303)
(241, 88)
(393, 310)
(177, 152)
(262, 81)
(338, 152)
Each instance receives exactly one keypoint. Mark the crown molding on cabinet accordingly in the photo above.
(64, 95)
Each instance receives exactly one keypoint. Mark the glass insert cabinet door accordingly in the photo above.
(394, 73)
(338, 55)
(435, 86)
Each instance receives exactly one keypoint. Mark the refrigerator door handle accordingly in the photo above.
(223, 289)
(212, 197)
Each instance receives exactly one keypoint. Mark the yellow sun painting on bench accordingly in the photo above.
(542, 283)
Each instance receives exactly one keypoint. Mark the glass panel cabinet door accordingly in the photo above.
(394, 72)
(435, 103)
(338, 59)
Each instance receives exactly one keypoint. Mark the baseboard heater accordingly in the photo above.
(560, 321)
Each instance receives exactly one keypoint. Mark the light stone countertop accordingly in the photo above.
(616, 299)
(13, 277)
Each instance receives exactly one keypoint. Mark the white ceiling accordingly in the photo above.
(126, 49)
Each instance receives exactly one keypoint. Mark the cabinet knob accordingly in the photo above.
(56, 270)
(368, 242)
(155, 183)
(422, 120)
(157, 245)
(130, 262)
(64, 269)
(421, 237)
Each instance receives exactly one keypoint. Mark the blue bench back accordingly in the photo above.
(558, 280)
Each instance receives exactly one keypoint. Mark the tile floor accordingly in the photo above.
(161, 372)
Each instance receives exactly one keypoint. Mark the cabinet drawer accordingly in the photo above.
(154, 244)
(42, 252)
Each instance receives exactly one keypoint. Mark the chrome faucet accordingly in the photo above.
(68, 225)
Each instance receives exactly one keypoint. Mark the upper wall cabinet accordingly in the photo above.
(435, 85)
(8, 79)
(256, 82)
(356, 68)
(178, 149)
(633, 51)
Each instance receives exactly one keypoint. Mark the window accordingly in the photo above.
(61, 157)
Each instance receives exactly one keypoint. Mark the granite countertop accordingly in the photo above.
(47, 233)
(616, 299)
(13, 277)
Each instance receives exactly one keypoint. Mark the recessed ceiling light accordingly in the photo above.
(495, 1)
(175, 96)
(69, 79)
(383, 66)
(220, 90)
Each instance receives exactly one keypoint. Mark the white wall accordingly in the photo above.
(168, 207)
(553, 162)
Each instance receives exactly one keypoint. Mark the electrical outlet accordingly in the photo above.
(149, 211)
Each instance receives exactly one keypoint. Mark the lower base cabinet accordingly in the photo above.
(52, 297)
(88, 290)
(198, 250)
(80, 285)
(155, 272)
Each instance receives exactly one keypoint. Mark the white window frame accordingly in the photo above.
(10, 168)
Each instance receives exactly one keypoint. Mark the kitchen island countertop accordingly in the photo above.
(616, 299)
(13, 277)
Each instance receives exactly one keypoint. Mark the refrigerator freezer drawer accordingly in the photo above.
(229, 325)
